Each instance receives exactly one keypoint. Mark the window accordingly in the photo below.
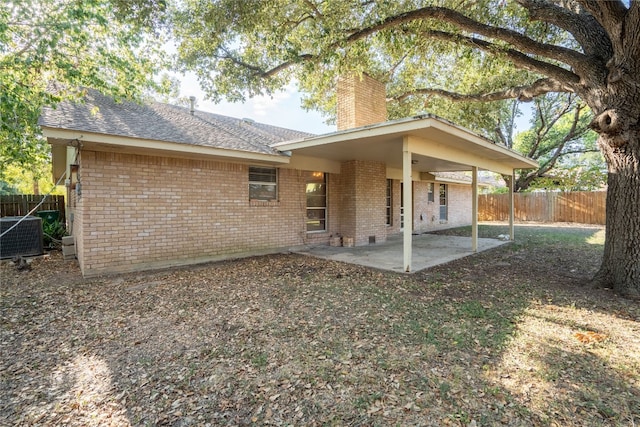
(263, 183)
(443, 202)
(316, 202)
(430, 197)
(389, 200)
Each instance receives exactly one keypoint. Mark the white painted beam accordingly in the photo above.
(408, 205)
(511, 206)
(474, 209)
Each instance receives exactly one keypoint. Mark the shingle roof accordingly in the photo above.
(162, 122)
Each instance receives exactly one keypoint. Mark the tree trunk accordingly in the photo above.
(620, 267)
(615, 103)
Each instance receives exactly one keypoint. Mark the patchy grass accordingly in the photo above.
(510, 336)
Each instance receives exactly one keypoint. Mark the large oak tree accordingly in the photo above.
(473, 51)
(104, 44)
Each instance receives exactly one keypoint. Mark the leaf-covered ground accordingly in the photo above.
(510, 336)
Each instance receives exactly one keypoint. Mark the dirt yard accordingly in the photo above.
(511, 336)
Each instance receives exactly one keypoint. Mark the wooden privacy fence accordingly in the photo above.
(20, 205)
(584, 207)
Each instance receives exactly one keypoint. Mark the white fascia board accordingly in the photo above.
(385, 128)
(481, 141)
(167, 148)
(403, 127)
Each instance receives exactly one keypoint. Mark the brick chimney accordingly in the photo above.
(361, 101)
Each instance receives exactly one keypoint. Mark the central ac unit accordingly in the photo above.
(25, 239)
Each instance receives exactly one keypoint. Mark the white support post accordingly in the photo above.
(511, 206)
(408, 204)
(474, 209)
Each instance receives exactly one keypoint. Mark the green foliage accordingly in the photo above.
(53, 232)
(242, 49)
(6, 189)
(71, 44)
(560, 140)
(24, 179)
(500, 190)
(587, 173)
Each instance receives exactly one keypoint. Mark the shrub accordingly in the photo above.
(53, 232)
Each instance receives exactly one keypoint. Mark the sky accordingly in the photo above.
(283, 109)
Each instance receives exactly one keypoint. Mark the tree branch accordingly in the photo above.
(522, 93)
(521, 42)
(609, 13)
(228, 56)
(539, 130)
(548, 126)
(586, 150)
(518, 58)
(587, 31)
(568, 137)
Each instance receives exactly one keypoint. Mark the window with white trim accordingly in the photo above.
(316, 201)
(430, 197)
(444, 211)
(263, 183)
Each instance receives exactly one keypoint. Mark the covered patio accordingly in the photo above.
(428, 250)
(412, 149)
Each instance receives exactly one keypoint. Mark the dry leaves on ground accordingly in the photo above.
(290, 340)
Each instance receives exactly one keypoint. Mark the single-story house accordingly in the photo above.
(156, 185)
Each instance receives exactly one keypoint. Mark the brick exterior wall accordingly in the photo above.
(138, 212)
(427, 214)
(361, 101)
(141, 212)
(363, 201)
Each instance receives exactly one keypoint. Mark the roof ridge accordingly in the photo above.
(211, 123)
(248, 141)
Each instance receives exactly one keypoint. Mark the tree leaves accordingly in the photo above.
(72, 44)
(249, 48)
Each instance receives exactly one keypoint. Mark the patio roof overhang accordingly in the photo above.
(435, 145)
(420, 144)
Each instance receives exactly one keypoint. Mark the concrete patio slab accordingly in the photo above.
(428, 250)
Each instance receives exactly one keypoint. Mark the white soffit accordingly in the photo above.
(383, 142)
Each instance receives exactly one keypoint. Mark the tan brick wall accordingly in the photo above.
(427, 214)
(361, 101)
(140, 212)
(459, 205)
(363, 201)
(75, 212)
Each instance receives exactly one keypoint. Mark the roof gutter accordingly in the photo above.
(102, 142)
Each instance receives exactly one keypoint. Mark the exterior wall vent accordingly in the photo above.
(23, 240)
